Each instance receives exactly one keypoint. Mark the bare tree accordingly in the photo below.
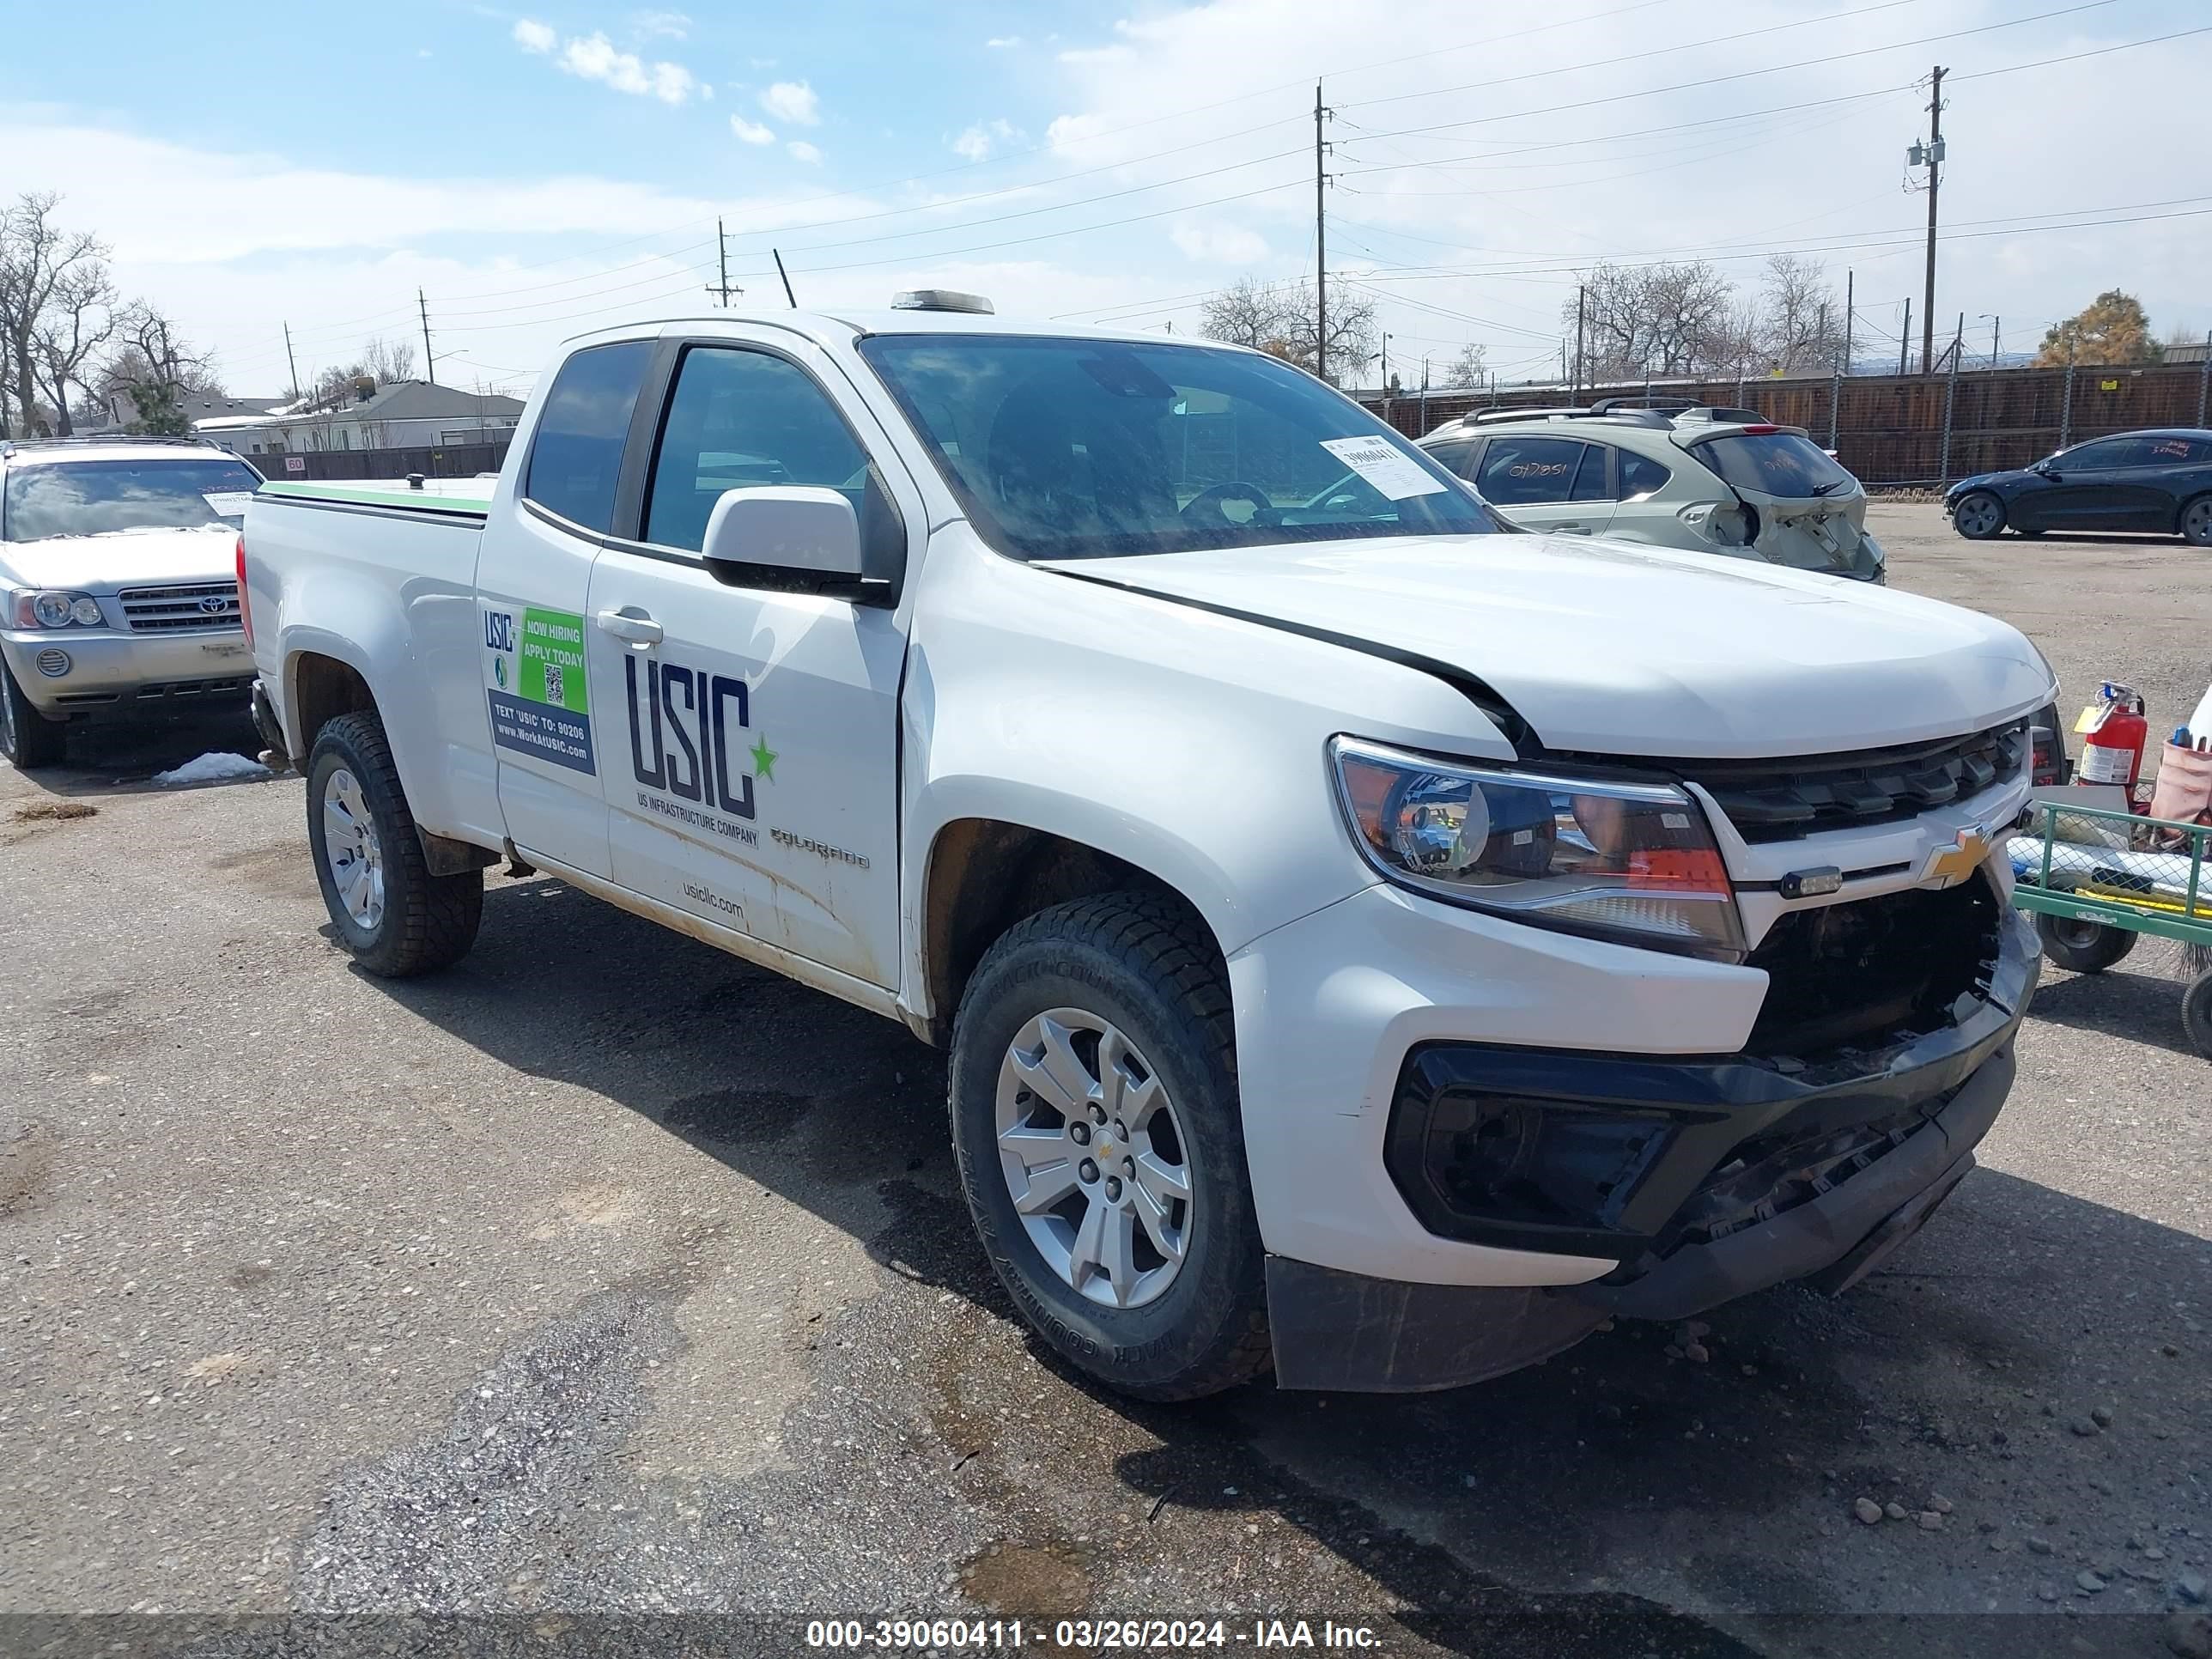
(79, 321)
(1466, 369)
(1800, 322)
(1279, 318)
(37, 260)
(388, 361)
(155, 367)
(1661, 320)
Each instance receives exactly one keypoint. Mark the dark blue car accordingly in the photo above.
(2155, 481)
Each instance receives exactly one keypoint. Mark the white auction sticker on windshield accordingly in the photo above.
(1383, 465)
(226, 503)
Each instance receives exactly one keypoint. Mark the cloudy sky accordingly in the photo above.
(538, 171)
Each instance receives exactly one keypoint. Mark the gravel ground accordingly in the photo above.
(652, 1295)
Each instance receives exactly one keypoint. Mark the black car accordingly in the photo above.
(2156, 481)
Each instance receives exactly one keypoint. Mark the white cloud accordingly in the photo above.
(793, 101)
(1220, 245)
(802, 151)
(533, 36)
(979, 140)
(669, 25)
(594, 58)
(751, 132)
(1000, 42)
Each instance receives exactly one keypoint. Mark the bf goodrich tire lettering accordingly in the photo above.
(1111, 1016)
(395, 917)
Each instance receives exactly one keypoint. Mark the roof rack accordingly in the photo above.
(11, 445)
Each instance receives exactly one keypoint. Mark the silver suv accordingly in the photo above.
(1669, 473)
(119, 584)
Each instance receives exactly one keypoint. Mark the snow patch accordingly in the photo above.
(219, 768)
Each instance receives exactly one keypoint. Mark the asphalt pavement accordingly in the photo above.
(607, 1275)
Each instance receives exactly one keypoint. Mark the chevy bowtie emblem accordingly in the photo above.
(1948, 865)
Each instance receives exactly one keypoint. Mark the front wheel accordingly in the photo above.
(1978, 516)
(1096, 1119)
(2082, 947)
(28, 738)
(395, 917)
(2196, 522)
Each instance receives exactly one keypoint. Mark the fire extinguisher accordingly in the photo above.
(2112, 744)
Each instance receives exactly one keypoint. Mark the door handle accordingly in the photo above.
(631, 625)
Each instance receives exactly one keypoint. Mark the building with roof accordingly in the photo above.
(403, 414)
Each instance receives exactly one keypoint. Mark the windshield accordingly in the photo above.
(1774, 463)
(96, 498)
(1074, 449)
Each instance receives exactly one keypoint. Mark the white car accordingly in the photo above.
(1365, 938)
(1670, 473)
(118, 577)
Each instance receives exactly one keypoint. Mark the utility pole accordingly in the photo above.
(786, 275)
(723, 288)
(1904, 337)
(292, 362)
(429, 362)
(1581, 304)
(1996, 332)
(1935, 181)
(1320, 246)
(1851, 311)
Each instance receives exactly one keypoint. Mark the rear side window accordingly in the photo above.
(576, 456)
(1590, 482)
(1773, 463)
(1640, 475)
(2176, 451)
(1528, 472)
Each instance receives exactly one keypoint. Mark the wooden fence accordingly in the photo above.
(1899, 429)
(442, 461)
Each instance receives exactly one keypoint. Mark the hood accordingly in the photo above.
(127, 558)
(1609, 649)
(1984, 480)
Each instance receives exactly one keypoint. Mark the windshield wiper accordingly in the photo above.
(1829, 488)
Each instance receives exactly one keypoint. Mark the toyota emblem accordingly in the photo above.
(214, 604)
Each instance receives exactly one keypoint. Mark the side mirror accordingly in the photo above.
(2043, 469)
(803, 536)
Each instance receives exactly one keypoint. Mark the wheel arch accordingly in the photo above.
(984, 873)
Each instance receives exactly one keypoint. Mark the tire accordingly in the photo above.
(28, 738)
(1147, 972)
(2194, 522)
(1978, 516)
(2197, 1014)
(394, 917)
(2082, 947)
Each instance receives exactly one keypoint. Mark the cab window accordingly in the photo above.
(738, 419)
(575, 459)
(1528, 472)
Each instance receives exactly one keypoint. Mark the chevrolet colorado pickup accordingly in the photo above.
(1372, 941)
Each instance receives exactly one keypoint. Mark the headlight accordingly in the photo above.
(32, 609)
(1629, 861)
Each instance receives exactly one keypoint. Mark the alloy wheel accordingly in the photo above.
(2196, 522)
(1094, 1158)
(351, 850)
(1978, 516)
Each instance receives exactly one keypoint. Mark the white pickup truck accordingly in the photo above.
(1371, 940)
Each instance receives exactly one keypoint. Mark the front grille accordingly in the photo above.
(169, 691)
(1781, 801)
(180, 609)
(1875, 969)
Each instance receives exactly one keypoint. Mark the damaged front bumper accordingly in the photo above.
(1703, 1179)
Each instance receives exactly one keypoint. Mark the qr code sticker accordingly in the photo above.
(556, 690)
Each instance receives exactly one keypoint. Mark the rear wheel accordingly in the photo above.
(2196, 522)
(27, 738)
(2197, 1014)
(1978, 516)
(1095, 1118)
(2082, 947)
(395, 917)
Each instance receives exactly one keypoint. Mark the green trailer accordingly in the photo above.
(2097, 880)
